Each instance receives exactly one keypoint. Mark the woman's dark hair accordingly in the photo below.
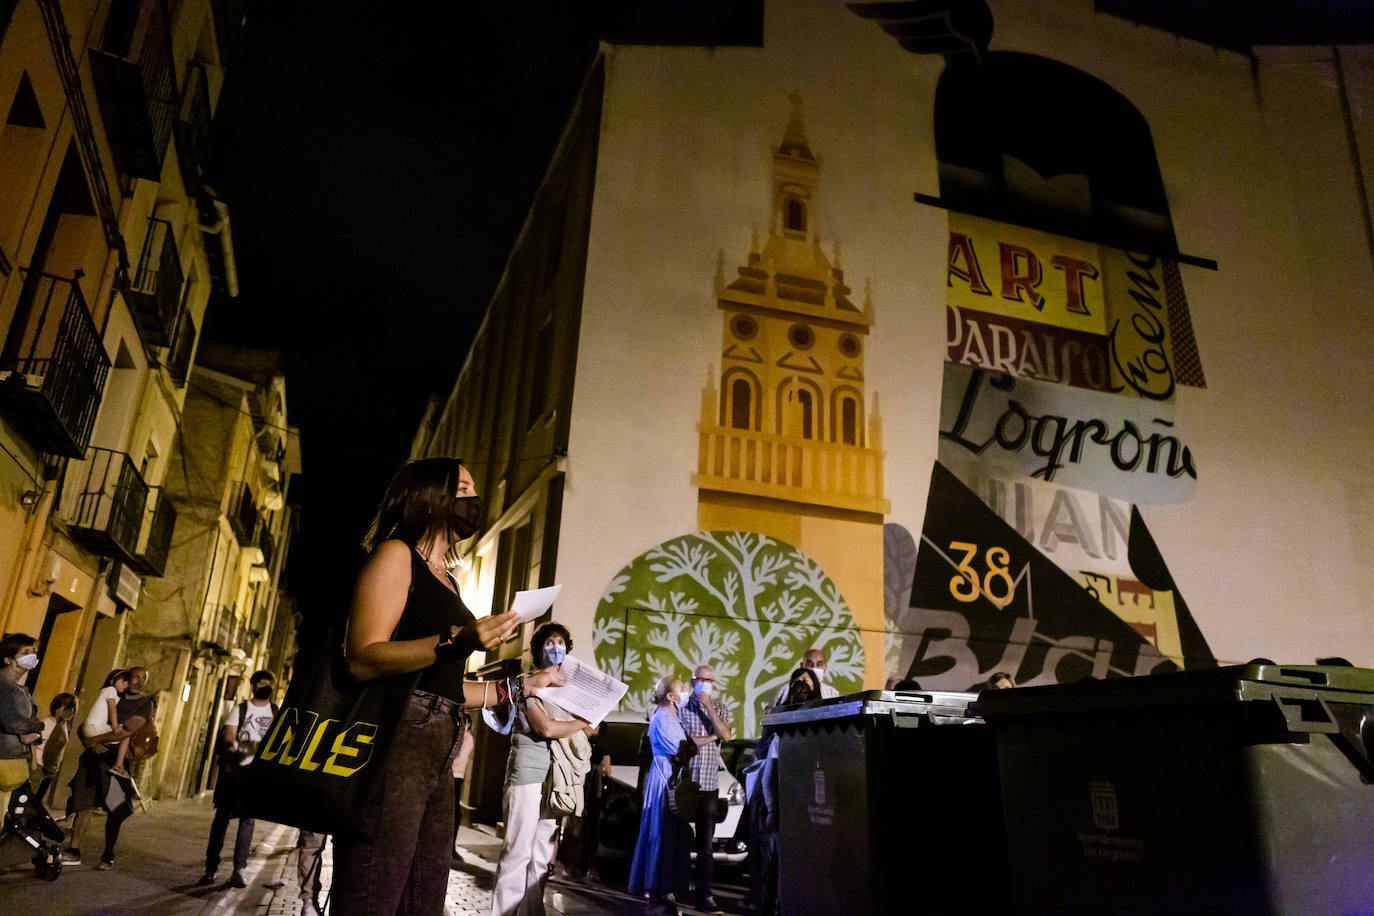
(418, 500)
(1000, 676)
(802, 687)
(116, 675)
(13, 642)
(61, 702)
(541, 635)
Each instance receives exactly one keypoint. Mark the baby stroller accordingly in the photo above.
(30, 821)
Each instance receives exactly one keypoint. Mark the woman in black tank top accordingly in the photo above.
(406, 617)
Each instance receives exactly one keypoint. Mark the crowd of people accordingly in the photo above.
(407, 619)
(32, 749)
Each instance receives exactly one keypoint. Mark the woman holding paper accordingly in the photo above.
(530, 827)
(406, 617)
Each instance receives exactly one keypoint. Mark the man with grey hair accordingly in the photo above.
(707, 724)
(815, 660)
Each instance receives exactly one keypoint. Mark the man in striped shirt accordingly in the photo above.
(706, 723)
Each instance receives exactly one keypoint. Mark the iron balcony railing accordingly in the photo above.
(179, 359)
(193, 129)
(264, 541)
(156, 284)
(162, 520)
(243, 513)
(245, 640)
(104, 500)
(53, 366)
(136, 85)
(184, 341)
(222, 632)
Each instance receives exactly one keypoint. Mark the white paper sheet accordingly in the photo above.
(530, 604)
(588, 693)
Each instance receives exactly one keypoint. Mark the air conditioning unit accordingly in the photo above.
(125, 586)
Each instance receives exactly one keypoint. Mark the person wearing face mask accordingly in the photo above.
(663, 848)
(408, 620)
(20, 727)
(706, 722)
(244, 729)
(530, 840)
(814, 660)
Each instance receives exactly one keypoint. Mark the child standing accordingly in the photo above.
(48, 756)
(103, 717)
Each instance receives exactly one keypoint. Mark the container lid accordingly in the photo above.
(938, 707)
(1207, 686)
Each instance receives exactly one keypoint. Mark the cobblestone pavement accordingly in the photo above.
(161, 853)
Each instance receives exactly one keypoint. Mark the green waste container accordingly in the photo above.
(1243, 789)
(888, 804)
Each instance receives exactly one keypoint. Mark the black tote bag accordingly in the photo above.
(320, 765)
(684, 795)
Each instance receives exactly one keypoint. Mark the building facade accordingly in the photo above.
(1094, 412)
(215, 617)
(111, 242)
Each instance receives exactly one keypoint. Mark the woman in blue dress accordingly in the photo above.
(663, 850)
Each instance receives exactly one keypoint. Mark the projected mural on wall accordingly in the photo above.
(789, 479)
(749, 603)
(1068, 336)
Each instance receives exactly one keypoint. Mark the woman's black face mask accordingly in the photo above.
(466, 517)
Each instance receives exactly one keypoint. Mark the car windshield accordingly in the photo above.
(621, 740)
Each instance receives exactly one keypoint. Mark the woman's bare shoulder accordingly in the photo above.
(389, 555)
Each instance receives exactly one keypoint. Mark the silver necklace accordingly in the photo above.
(437, 567)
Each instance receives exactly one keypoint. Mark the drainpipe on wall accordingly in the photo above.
(226, 240)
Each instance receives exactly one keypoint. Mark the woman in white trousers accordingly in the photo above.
(530, 829)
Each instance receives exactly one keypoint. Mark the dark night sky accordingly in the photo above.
(377, 171)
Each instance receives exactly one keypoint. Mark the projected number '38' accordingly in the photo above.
(347, 752)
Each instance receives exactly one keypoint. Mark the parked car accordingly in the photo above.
(737, 754)
(624, 736)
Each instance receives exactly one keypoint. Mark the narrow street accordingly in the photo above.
(161, 854)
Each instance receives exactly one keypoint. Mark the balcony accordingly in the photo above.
(132, 72)
(104, 500)
(183, 343)
(263, 540)
(152, 561)
(193, 130)
(243, 514)
(53, 367)
(806, 471)
(222, 635)
(155, 288)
